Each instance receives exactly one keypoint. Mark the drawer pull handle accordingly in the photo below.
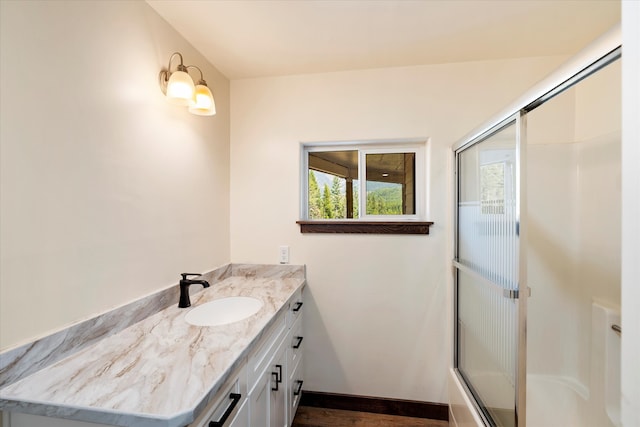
(298, 306)
(235, 397)
(297, 345)
(299, 389)
(277, 376)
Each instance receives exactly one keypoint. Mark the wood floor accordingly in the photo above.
(321, 417)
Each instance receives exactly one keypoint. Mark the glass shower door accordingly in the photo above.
(489, 350)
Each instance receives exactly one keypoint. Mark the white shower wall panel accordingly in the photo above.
(574, 259)
(553, 255)
(574, 211)
(599, 205)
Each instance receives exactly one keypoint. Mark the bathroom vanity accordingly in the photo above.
(164, 371)
(266, 388)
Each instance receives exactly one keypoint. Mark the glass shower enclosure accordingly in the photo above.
(488, 276)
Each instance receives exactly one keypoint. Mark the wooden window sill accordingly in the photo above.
(365, 227)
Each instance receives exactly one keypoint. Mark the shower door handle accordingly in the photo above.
(514, 293)
(507, 293)
(511, 293)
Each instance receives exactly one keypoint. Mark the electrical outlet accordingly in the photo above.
(284, 254)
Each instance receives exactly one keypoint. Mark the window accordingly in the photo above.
(364, 183)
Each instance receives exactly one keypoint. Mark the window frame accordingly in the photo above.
(419, 180)
(367, 223)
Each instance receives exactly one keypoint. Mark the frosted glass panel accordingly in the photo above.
(487, 233)
(486, 346)
(487, 275)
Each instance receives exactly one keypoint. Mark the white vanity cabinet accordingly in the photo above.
(272, 365)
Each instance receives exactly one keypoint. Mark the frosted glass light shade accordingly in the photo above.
(203, 102)
(180, 88)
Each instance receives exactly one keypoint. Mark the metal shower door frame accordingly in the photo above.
(519, 119)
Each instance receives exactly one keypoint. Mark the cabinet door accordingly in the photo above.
(279, 389)
(268, 399)
(242, 417)
(259, 401)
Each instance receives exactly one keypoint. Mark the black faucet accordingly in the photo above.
(184, 288)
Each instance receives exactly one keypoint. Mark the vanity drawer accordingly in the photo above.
(296, 382)
(296, 343)
(296, 307)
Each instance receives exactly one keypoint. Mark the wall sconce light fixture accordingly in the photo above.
(180, 90)
(204, 104)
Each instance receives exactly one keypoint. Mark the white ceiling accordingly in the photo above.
(256, 38)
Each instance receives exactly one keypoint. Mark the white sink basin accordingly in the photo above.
(223, 311)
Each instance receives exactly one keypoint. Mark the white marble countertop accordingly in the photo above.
(160, 371)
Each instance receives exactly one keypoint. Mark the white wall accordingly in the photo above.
(630, 213)
(376, 315)
(108, 192)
